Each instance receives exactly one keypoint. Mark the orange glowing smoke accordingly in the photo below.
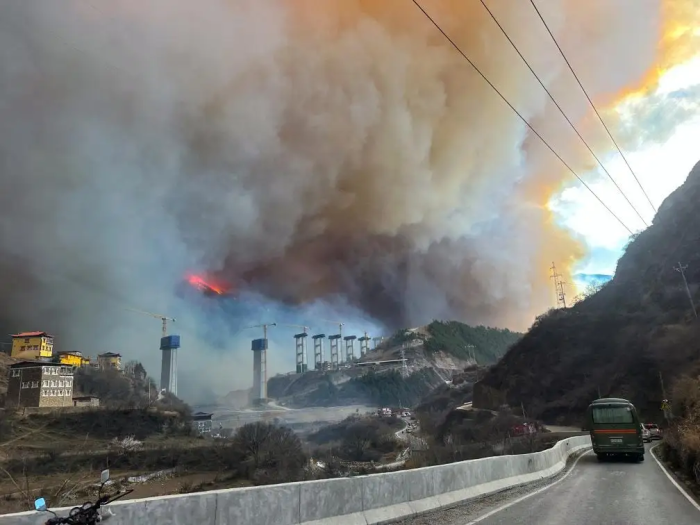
(209, 285)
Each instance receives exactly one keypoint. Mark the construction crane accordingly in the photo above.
(263, 326)
(163, 318)
(304, 329)
(338, 323)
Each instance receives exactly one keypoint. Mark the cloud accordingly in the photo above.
(315, 153)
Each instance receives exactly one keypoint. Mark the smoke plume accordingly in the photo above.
(312, 153)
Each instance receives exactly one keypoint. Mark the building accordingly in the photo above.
(32, 345)
(109, 360)
(75, 359)
(86, 401)
(201, 422)
(39, 384)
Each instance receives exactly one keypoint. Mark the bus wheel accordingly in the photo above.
(640, 457)
(601, 457)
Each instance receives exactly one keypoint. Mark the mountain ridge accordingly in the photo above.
(632, 338)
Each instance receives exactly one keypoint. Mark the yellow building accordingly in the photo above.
(109, 360)
(73, 359)
(32, 345)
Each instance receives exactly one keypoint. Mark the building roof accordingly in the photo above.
(70, 352)
(28, 362)
(201, 415)
(109, 354)
(31, 334)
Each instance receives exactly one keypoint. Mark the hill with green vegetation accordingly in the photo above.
(487, 345)
(484, 344)
(621, 340)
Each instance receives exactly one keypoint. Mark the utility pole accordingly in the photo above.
(471, 352)
(558, 287)
(404, 365)
(681, 269)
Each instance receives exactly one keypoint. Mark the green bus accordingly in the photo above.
(615, 429)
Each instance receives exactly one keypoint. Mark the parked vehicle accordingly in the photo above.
(654, 430)
(646, 435)
(88, 513)
(615, 429)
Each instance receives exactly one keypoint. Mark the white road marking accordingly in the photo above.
(526, 496)
(675, 483)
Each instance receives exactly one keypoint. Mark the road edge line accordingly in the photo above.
(687, 496)
(526, 496)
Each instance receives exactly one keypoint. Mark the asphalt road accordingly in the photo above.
(609, 493)
(615, 492)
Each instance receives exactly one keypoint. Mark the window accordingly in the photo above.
(60, 383)
(23, 348)
(26, 340)
(52, 393)
(44, 393)
(15, 373)
(612, 415)
(35, 384)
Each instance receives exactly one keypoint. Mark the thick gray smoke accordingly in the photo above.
(315, 153)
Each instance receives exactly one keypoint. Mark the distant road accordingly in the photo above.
(615, 493)
(563, 430)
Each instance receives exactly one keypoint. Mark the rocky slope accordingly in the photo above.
(638, 331)
(435, 353)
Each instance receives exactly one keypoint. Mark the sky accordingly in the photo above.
(333, 160)
(661, 163)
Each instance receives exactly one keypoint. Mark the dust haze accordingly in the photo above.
(332, 159)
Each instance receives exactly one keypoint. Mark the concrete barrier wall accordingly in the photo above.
(361, 500)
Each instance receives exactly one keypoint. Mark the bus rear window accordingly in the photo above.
(612, 415)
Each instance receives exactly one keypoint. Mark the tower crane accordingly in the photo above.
(337, 323)
(263, 326)
(162, 317)
(305, 329)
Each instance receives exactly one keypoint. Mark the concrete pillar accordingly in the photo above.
(364, 345)
(318, 351)
(300, 339)
(168, 371)
(334, 349)
(349, 347)
(259, 348)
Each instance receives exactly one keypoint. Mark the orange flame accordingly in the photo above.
(207, 284)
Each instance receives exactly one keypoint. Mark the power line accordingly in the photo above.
(459, 50)
(593, 105)
(562, 111)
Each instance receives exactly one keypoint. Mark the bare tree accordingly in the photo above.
(269, 453)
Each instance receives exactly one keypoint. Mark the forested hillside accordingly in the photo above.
(623, 340)
(461, 340)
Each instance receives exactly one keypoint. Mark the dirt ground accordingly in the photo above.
(13, 499)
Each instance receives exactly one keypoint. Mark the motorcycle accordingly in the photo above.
(86, 514)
